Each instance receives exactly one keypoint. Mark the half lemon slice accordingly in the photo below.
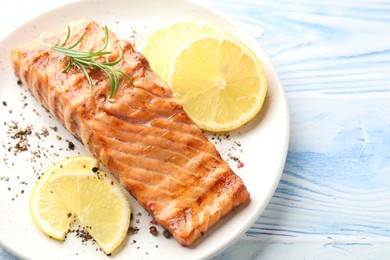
(46, 209)
(162, 43)
(76, 188)
(98, 201)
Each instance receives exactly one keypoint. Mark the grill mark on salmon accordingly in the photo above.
(142, 134)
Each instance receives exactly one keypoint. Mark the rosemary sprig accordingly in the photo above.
(84, 60)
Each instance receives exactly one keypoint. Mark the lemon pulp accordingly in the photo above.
(98, 201)
(46, 210)
(220, 82)
(161, 44)
(76, 188)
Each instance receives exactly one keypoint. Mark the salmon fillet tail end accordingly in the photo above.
(141, 134)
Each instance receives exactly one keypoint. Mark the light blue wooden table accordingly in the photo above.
(333, 57)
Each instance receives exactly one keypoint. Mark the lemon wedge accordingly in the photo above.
(46, 210)
(98, 201)
(219, 80)
(162, 43)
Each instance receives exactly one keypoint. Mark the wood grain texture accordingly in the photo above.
(334, 60)
(330, 249)
(336, 180)
(328, 47)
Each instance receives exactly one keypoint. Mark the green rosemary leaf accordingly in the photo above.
(112, 76)
(113, 63)
(67, 67)
(70, 52)
(97, 54)
(105, 39)
(87, 76)
(67, 37)
(84, 60)
(127, 76)
(78, 41)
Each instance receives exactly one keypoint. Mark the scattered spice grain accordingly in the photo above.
(153, 230)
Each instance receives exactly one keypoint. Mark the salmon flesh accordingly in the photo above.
(141, 134)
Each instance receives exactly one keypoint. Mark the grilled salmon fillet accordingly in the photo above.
(141, 134)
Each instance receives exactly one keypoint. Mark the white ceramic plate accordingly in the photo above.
(261, 145)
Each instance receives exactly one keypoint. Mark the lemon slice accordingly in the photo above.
(46, 210)
(98, 201)
(164, 41)
(220, 82)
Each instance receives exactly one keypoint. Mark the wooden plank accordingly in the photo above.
(328, 47)
(327, 249)
(337, 176)
(6, 255)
